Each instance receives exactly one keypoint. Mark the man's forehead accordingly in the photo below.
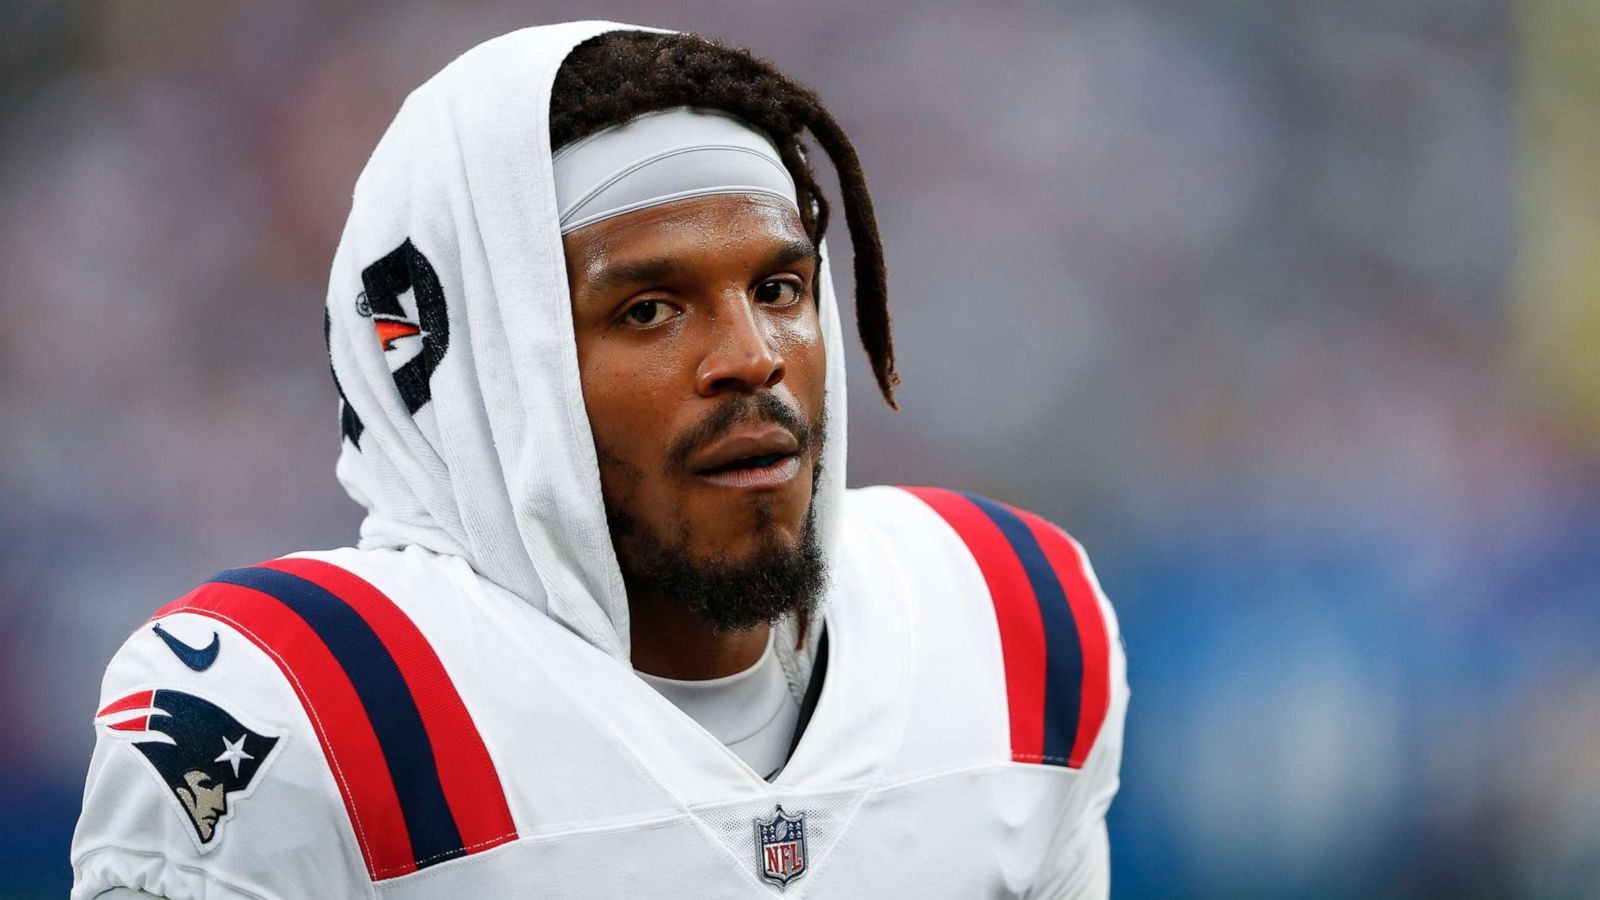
(735, 224)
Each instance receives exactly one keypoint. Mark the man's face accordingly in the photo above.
(702, 364)
(205, 801)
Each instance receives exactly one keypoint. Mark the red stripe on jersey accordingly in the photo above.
(142, 723)
(1067, 561)
(331, 703)
(1022, 640)
(466, 771)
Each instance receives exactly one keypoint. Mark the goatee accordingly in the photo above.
(778, 579)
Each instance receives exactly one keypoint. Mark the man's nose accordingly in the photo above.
(742, 355)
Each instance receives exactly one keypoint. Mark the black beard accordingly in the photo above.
(777, 580)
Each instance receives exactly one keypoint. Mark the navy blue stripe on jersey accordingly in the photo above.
(387, 699)
(1063, 690)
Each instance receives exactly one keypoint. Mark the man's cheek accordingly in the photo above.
(797, 337)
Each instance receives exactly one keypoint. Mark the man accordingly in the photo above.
(614, 626)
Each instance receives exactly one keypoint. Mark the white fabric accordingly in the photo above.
(752, 712)
(662, 157)
(500, 466)
(905, 774)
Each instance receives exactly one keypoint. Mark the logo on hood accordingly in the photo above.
(405, 302)
(201, 752)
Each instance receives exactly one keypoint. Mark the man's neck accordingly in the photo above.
(672, 642)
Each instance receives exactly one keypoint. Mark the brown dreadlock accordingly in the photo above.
(617, 76)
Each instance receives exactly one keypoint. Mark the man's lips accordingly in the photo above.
(750, 457)
(780, 471)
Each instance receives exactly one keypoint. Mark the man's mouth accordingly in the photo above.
(765, 456)
(770, 470)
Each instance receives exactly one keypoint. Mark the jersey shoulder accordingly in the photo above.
(1052, 634)
(285, 729)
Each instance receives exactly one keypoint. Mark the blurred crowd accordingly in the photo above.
(1228, 290)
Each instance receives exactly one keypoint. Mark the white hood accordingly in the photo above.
(454, 225)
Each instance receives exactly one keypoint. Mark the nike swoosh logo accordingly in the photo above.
(198, 659)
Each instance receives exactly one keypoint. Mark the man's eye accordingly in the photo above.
(777, 293)
(650, 312)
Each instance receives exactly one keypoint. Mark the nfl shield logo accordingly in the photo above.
(781, 847)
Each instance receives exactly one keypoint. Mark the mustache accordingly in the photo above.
(742, 409)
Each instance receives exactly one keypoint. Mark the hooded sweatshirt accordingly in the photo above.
(496, 463)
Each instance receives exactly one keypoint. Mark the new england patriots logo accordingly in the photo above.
(202, 753)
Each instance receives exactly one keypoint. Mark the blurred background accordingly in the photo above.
(1287, 310)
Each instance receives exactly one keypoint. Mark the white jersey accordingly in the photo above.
(387, 723)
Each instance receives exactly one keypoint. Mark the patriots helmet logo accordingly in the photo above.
(201, 752)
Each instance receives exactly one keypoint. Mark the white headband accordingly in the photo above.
(661, 157)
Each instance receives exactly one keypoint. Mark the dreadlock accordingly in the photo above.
(618, 76)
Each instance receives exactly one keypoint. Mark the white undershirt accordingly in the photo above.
(752, 712)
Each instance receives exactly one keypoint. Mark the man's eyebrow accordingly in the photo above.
(661, 268)
(791, 251)
(640, 271)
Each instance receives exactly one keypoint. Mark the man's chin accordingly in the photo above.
(752, 576)
(726, 514)
(747, 547)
